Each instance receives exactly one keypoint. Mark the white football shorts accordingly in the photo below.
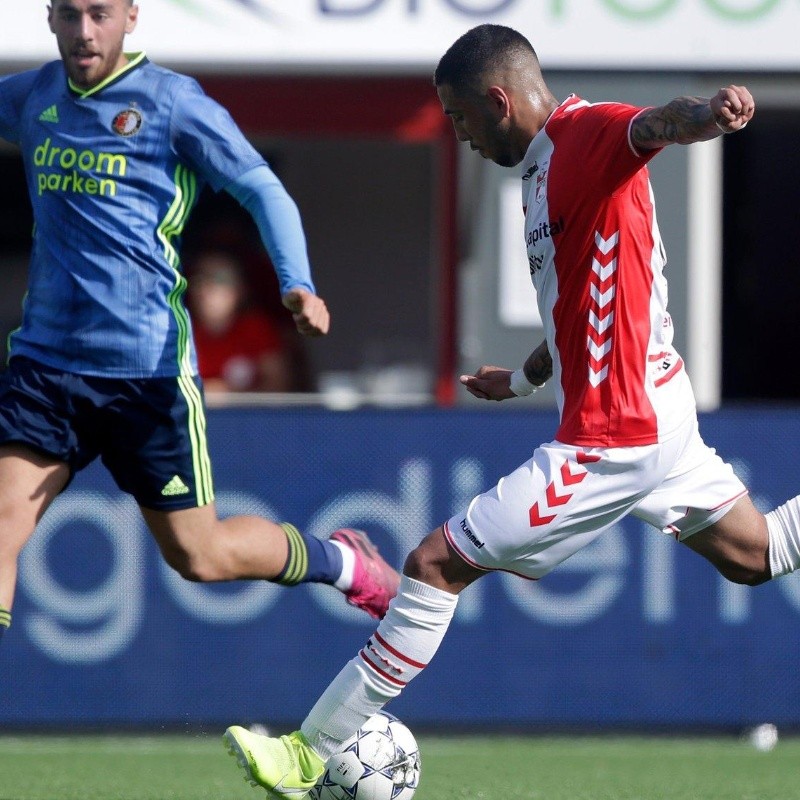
(565, 496)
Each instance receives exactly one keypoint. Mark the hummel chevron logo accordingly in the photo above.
(49, 114)
(604, 245)
(555, 498)
(602, 290)
(175, 487)
(536, 518)
(599, 350)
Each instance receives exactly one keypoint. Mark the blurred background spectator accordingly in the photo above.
(239, 347)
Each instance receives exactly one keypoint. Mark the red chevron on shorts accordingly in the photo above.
(554, 499)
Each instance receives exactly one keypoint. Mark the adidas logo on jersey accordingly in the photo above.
(175, 487)
(49, 114)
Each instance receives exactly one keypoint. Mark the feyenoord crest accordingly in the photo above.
(127, 122)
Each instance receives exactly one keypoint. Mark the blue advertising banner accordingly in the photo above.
(632, 631)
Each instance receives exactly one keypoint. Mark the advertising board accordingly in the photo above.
(413, 34)
(632, 631)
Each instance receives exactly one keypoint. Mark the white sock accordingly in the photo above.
(345, 579)
(406, 640)
(783, 524)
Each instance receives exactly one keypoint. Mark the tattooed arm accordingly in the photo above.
(538, 367)
(494, 383)
(685, 120)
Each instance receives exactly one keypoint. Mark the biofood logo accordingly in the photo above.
(642, 10)
(257, 7)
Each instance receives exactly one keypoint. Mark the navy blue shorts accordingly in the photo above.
(150, 433)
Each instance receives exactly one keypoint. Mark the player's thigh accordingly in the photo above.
(737, 544)
(37, 411)
(698, 491)
(29, 482)
(183, 535)
(553, 505)
(155, 442)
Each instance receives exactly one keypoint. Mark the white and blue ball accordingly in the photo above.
(380, 762)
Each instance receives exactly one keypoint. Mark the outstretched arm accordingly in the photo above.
(685, 120)
(275, 213)
(309, 312)
(498, 383)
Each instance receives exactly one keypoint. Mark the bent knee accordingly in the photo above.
(418, 564)
(744, 575)
(434, 562)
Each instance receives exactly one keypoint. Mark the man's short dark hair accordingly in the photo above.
(476, 52)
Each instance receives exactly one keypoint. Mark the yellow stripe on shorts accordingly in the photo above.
(201, 461)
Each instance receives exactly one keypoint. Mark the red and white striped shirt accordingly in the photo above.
(596, 261)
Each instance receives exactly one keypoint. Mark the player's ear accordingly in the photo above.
(499, 101)
(133, 16)
(50, 18)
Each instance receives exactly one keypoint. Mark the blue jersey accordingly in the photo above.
(113, 173)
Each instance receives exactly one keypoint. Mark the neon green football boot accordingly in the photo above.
(286, 767)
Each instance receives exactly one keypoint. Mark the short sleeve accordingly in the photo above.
(600, 135)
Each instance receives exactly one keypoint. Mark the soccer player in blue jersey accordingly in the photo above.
(116, 151)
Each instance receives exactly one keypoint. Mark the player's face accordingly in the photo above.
(90, 35)
(477, 119)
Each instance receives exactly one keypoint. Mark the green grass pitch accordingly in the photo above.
(172, 767)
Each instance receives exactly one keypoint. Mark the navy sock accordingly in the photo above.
(310, 560)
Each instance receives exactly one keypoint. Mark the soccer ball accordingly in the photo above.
(380, 762)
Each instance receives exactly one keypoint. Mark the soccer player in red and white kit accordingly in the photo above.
(627, 441)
